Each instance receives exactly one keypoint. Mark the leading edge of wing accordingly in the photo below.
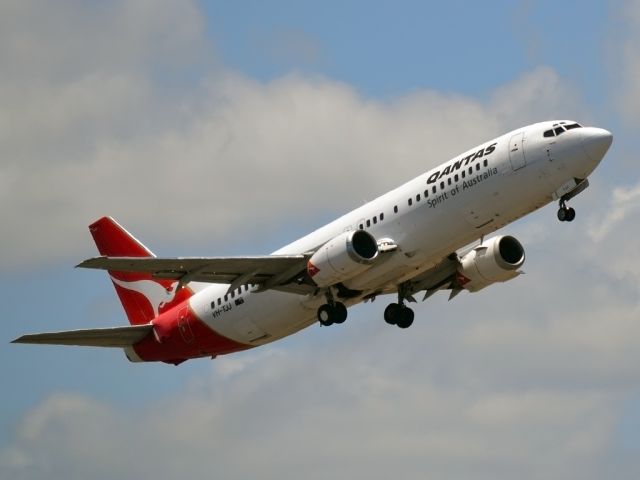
(93, 337)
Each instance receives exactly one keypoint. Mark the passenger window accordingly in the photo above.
(456, 178)
(213, 305)
(434, 189)
(464, 174)
(417, 197)
(395, 209)
(233, 294)
(375, 220)
(485, 163)
(410, 201)
(368, 223)
(361, 227)
(477, 166)
(381, 216)
(426, 193)
(470, 170)
(441, 185)
(449, 180)
(226, 297)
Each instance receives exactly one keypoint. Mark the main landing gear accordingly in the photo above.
(565, 214)
(330, 313)
(398, 313)
(395, 313)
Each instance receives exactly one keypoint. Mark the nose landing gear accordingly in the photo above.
(566, 214)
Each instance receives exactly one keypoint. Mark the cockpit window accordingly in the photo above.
(560, 128)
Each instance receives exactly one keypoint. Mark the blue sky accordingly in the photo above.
(386, 49)
(215, 128)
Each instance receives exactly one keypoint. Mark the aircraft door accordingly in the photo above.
(516, 151)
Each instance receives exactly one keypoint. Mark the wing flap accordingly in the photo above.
(94, 337)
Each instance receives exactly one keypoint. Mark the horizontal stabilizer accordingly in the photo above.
(93, 337)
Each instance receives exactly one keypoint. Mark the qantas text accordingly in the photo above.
(462, 162)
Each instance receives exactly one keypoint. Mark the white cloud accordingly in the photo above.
(624, 202)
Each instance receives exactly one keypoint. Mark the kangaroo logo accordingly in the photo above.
(156, 294)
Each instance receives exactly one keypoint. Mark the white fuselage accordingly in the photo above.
(475, 194)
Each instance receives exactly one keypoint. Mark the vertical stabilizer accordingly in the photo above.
(142, 296)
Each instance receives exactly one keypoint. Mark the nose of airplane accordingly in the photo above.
(596, 142)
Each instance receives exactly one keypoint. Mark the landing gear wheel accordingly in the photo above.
(571, 215)
(562, 214)
(406, 318)
(566, 214)
(392, 313)
(339, 312)
(396, 314)
(325, 316)
(330, 314)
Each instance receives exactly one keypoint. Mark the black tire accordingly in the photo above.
(339, 313)
(562, 214)
(571, 215)
(405, 319)
(392, 313)
(325, 315)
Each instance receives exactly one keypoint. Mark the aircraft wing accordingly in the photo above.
(93, 337)
(268, 271)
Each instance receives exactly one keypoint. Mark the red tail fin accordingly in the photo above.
(142, 296)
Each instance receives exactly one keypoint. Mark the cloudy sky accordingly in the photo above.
(215, 128)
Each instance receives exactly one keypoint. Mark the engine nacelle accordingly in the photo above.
(497, 260)
(342, 258)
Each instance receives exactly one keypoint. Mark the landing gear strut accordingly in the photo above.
(331, 312)
(398, 313)
(565, 214)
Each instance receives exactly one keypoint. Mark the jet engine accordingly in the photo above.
(496, 260)
(342, 258)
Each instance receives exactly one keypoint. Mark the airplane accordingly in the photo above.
(425, 236)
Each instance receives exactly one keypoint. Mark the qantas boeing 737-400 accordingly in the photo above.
(413, 239)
